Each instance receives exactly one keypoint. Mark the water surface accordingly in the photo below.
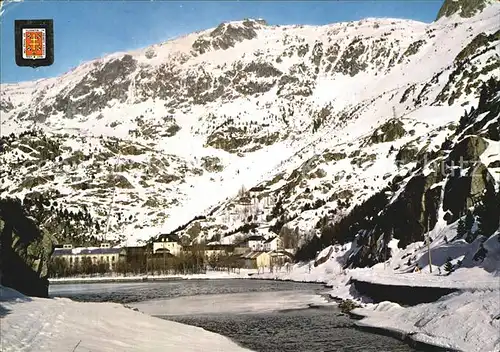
(261, 315)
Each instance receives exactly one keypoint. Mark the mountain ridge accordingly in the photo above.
(123, 120)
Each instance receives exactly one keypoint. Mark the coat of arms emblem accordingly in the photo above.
(34, 40)
(34, 43)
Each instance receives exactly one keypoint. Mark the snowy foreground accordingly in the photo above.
(38, 324)
(468, 320)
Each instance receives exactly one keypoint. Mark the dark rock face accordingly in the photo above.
(111, 78)
(480, 41)
(406, 154)
(469, 149)
(412, 49)
(351, 61)
(212, 164)
(420, 197)
(24, 251)
(455, 196)
(5, 105)
(262, 69)
(317, 53)
(494, 164)
(466, 74)
(410, 213)
(401, 294)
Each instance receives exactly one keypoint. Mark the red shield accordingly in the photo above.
(34, 43)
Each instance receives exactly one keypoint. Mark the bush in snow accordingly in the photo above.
(347, 305)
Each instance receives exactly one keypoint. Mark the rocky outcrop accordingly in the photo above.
(212, 164)
(465, 8)
(95, 91)
(351, 62)
(25, 251)
(406, 154)
(226, 35)
(468, 149)
(468, 68)
(388, 132)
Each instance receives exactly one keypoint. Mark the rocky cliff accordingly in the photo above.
(455, 180)
(25, 251)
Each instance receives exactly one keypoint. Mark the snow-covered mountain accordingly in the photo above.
(246, 126)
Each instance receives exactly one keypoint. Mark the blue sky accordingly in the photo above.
(85, 30)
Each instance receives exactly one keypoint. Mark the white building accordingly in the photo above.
(255, 243)
(75, 256)
(168, 243)
(273, 244)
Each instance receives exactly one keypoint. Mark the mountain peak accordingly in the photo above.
(227, 34)
(464, 8)
(247, 23)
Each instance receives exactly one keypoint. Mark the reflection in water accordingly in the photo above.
(143, 291)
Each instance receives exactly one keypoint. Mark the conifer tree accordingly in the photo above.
(488, 211)
(469, 221)
(461, 231)
(448, 266)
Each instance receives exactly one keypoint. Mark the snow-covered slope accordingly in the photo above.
(315, 117)
(40, 324)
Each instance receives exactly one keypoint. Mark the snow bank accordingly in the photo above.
(471, 279)
(38, 324)
(468, 321)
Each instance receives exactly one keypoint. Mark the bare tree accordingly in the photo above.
(256, 209)
(290, 237)
(242, 192)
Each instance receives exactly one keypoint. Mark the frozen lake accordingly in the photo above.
(261, 315)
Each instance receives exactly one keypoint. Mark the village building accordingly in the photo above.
(256, 260)
(254, 243)
(169, 244)
(273, 244)
(212, 250)
(240, 249)
(135, 256)
(280, 257)
(103, 254)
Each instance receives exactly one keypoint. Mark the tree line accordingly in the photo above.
(144, 263)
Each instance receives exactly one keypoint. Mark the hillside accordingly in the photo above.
(311, 121)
